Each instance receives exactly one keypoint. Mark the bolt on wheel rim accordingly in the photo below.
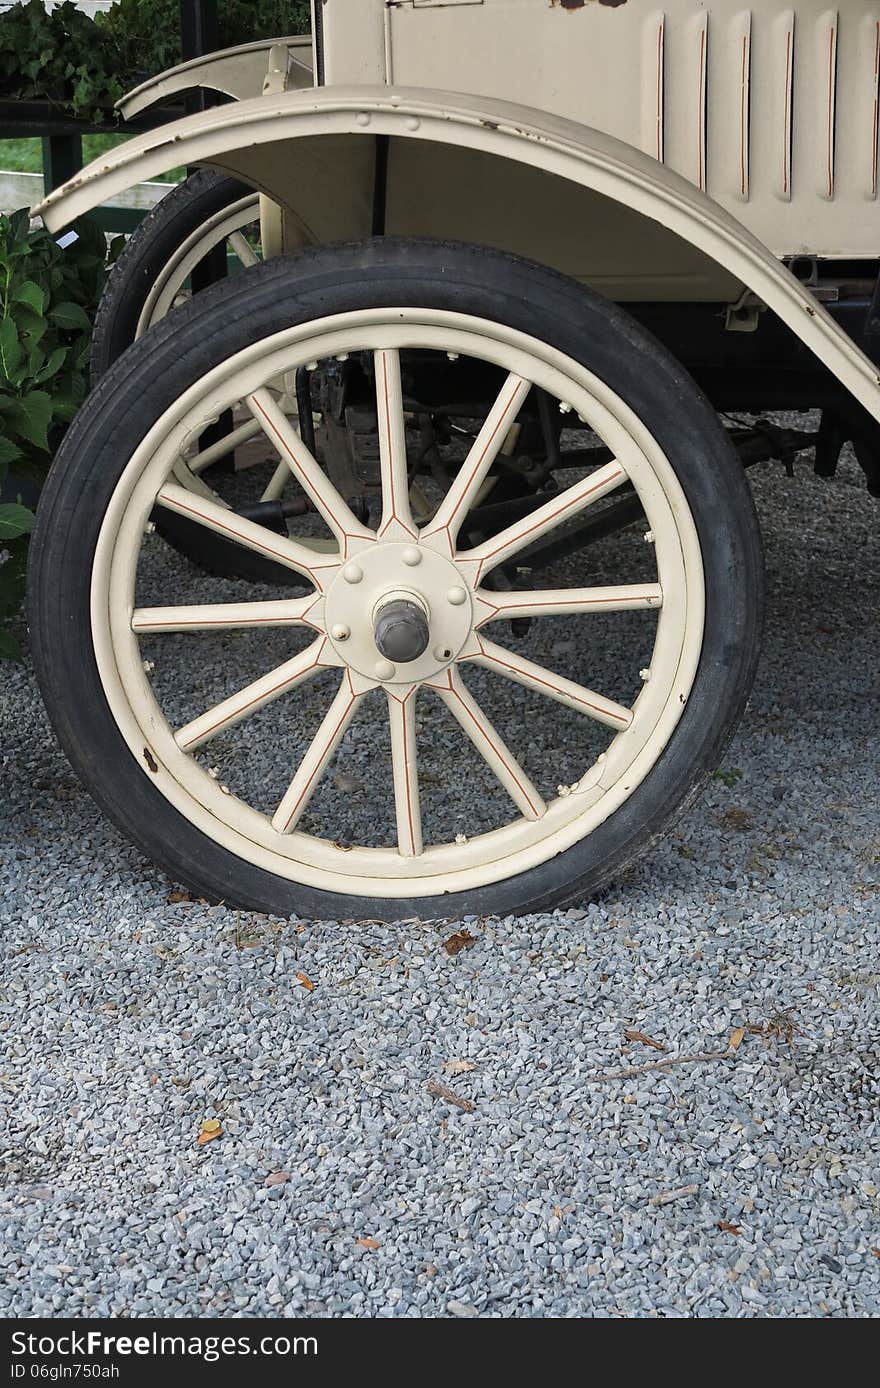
(419, 565)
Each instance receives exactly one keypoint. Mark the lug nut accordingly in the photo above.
(456, 596)
(352, 573)
(384, 670)
(340, 632)
(411, 556)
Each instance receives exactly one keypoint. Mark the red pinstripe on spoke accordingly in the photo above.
(548, 684)
(259, 698)
(311, 780)
(560, 511)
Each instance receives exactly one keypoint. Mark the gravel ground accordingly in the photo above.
(544, 1182)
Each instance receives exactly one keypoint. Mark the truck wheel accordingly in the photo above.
(205, 210)
(229, 738)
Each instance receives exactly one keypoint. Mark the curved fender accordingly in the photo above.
(237, 72)
(229, 137)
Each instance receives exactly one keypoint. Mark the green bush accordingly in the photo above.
(48, 296)
(84, 65)
(53, 56)
(145, 34)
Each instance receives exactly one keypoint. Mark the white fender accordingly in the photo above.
(255, 140)
(237, 72)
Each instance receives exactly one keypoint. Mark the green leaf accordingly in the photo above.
(69, 315)
(9, 647)
(19, 222)
(15, 520)
(31, 418)
(36, 361)
(9, 452)
(33, 325)
(31, 294)
(11, 350)
(52, 366)
(67, 403)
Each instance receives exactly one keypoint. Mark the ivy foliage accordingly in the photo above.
(145, 34)
(84, 65)
(48, 296)
(53, 56)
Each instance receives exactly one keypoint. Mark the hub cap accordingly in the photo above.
(398, 612)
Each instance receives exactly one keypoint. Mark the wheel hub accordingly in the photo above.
(398, 613)
(401, 630)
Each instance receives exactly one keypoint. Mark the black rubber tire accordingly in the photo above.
(156, 239)
(149, 248)
(335, 279)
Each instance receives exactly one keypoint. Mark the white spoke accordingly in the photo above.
(277, 482)
(305, 468)
(491, 747)
(243, 250)
(314, 763)
(221, 616)
(569, 503)
(256, 537)
(396, 514)
(253, 697)
(197, 462)
(576, 696)
(401, 713)
(488, 444)
(557, 602)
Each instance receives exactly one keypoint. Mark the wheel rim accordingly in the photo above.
(227, 225)
(370, 568)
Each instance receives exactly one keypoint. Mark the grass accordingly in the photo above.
(26, 156)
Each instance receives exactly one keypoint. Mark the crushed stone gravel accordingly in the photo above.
(345, 1180)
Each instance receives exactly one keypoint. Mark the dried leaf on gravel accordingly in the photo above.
(665, 1197)
(459, 941)
(178, 896)
(305, 982)
(209, 1130)
(736, 1038)
(347, 783)
(727, 1228)
(368, 1243)
(458, 1067)
(644, 1040)
(441, 1092)
(277, 1178)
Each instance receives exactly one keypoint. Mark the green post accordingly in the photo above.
(62, 158)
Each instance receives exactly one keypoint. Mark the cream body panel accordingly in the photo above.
(771, 109)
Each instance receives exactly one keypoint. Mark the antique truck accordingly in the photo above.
(412, 568)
